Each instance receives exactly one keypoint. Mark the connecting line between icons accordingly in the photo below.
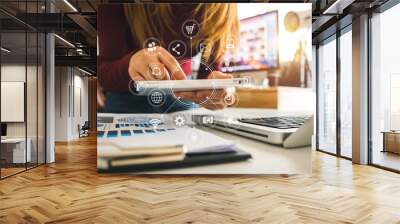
(191, 53)
(192, 112)
(212, 102)
(171, 105)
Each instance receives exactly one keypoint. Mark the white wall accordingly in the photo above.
(62, 82)
(81, 104)
(33, 127)
(70, 83)
(16, 73)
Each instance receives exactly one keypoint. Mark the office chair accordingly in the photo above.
(84, 130)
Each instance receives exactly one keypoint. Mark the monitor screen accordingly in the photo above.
(258, 45)
(3, 129)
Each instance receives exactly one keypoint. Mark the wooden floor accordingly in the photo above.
(387, 159)
(10, 171)
(70, 191)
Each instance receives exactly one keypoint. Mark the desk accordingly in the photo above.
(262, 98)
(391, 141)
(16, 147)
(267, 159)
(281, 98)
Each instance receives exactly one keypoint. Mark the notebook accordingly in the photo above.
(189, 161)
(136, 145)
(195, 140)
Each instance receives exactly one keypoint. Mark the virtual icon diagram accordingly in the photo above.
(156, 98)
(156, 71)
(205, 46)
(177, 48)
(176, 51)
(179, 120)
(155, 122)
(151, 45)
(229, 99)
(207, 120)
(190, 28)
(193, 136)
(230, 43)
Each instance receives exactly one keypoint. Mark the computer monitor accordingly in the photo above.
(3, 129)
(258, 45)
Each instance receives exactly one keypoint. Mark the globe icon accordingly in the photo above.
(156, 98)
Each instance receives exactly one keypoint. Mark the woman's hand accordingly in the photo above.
(158, 64)
(213, 100)
(154, 64)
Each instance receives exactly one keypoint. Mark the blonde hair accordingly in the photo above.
(219, 23)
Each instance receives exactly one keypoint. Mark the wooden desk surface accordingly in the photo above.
(257, 98)
(13, 140)
(281, 98)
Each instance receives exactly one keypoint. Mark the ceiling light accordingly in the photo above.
(70, 5)
(84, 71)
(337, 7)
(65, 41)
(5, 49)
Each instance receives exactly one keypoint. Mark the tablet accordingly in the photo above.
(190, 85)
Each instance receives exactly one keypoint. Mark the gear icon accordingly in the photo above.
(179, 120)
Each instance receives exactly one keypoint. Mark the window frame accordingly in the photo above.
(334, 37)
(27, 29)
(381, 9)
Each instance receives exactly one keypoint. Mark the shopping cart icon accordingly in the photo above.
(190, 28)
